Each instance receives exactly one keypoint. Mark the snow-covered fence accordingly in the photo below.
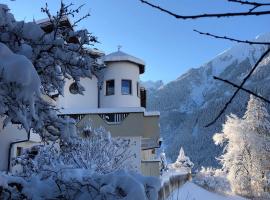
(171, 184)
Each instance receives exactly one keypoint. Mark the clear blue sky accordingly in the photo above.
(169, 46)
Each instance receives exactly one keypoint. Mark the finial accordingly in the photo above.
(119, 47)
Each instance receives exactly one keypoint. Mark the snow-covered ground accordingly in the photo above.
(191, 191)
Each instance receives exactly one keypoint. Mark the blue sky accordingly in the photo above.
(168, 46)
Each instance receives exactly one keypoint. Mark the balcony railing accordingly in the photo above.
(113, 118)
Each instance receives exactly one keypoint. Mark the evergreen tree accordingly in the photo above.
(182, 161)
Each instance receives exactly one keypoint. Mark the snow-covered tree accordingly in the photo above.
(98, 152)
(246, 151)
(35, 64)
(163, 162)
(182, 161)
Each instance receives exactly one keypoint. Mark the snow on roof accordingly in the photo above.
(46, 21)
(121, 56)
(69, 111)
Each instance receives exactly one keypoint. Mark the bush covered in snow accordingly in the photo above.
(79, 184)
(94, 167)
(213, 179)
(98, 152)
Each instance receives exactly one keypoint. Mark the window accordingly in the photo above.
(19, 151)
(110, 87)
(73, 88)
(126, 87)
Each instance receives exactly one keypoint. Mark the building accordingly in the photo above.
(115, 101)
(118, 105)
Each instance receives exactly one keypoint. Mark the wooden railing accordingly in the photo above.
(174, 182)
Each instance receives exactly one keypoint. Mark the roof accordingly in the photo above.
(65, 22)
(121, 56)
(70, 111)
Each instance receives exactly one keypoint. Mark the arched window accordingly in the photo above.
(73, 88)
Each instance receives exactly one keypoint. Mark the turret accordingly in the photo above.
(121, 81)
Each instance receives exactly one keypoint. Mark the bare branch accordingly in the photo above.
(231, 39)
(254, 4)
(213, 15)
(239, 88)
(80, 19)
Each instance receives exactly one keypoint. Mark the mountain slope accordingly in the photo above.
(194, 99)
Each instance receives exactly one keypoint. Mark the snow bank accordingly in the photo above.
(80, 184)
(194, 192)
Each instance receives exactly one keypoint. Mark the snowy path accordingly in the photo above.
(190, 191)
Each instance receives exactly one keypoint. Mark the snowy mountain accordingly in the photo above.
(191, 101)
(152, 85)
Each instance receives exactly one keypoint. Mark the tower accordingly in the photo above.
(121, 81)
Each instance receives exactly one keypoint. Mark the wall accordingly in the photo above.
(134, 150)
(24, 146)
(150, 168)
(77, 101)
(9, 134)
(135, 124)
(118, 71)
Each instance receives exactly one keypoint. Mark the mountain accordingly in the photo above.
(191, 101)
(152, 85)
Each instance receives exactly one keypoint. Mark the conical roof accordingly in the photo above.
(119, 56)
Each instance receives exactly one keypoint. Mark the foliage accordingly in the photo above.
(246, 151)
(97, 153)
(213, 179)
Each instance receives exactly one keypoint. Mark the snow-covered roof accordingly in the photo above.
(46, 21)
(68, 111)
(121, 56)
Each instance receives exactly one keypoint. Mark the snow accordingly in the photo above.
(165, 177)
(239, 53)
(67, 111)
(17, 69)
(152, 85)
(197, 94)
(121, 56)
(191, 191)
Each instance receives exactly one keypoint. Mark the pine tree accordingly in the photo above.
(182, 161)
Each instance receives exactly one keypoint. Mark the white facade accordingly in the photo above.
(119, 71)
(119, 66)
(77, 101)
